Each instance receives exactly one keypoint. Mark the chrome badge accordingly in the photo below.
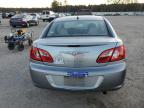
(74, 53)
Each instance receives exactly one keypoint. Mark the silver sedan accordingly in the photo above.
(78, 53)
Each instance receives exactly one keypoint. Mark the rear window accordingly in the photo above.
(33, 14)
(46, 12)
(78, 28)
(18, 16)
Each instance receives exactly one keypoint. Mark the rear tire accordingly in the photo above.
(30, 42)
(11, 46)
(5, 38)
(43, 20)
(20, 47)
(105, 92)
(37, 23)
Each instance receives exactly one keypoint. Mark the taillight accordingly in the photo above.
(111, 55)
(23, 19)
(105, 56)
(34, 54)
(119, 53)
(40, 55)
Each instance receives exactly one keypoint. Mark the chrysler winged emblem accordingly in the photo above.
(74, 53)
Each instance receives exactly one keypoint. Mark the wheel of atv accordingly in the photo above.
(30, 42)
(5, 39)
(20, 47)
(11, 46)
(43, 20)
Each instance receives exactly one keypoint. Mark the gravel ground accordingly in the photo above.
(17, 90)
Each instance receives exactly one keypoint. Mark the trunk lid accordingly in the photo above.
(76, 51)
(16, 19)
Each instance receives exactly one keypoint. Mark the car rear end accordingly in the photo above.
(18, 20)
(79, 62)
(34, 21)
(45, 15)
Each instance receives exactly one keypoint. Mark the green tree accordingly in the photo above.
(55, 5)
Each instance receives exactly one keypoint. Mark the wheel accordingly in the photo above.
(30, 42)
(43, 20)
(20, 47)
(104, 92)
(27, 25)
(11, 46)
(5, 39)
(14, 26)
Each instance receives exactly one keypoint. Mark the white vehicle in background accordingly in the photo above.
(36, 15)
(61, 15)
(34, 20)
(45, 15)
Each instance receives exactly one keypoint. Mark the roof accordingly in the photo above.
(84, 17)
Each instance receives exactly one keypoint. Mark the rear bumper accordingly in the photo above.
(44, 18)
(110, 77)
(33, 22)
(18, 23)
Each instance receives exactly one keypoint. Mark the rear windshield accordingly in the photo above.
(46, 12)
(33, 14)
(78, 28)
(18, 16)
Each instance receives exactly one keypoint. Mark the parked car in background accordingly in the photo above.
(11, 14)
(34, 20)
(36, 15)
(83, 12)
(45, 15)
(61, 15)
(20, 20)
(52, 17)
(5, 15)
(67, 14)
(78, 53)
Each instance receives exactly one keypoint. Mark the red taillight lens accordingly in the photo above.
(111, 55)
(40, 55)
(119, 53)
(34, 54)
(105, 56)
(45, 56)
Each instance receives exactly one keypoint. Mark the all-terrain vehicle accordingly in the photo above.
(17, 38)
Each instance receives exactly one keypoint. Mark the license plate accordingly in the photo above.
(32, 23)
(77, 74)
